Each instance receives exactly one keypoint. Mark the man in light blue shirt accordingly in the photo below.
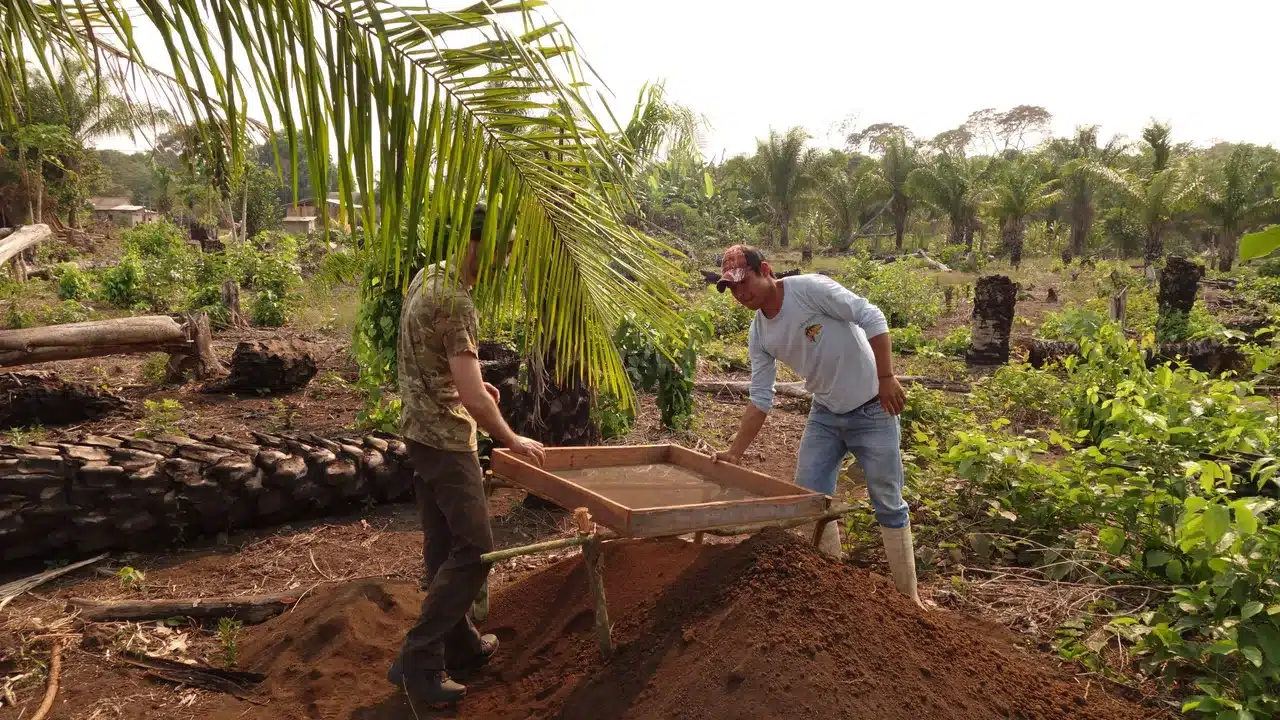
(839, 342)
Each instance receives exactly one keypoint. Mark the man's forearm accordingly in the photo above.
(882, 348)
(489, 418)
(750, 426)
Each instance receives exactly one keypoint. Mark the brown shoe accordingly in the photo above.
(435, 688)
(488, 646)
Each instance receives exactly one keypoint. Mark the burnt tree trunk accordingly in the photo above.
(43, 398)
(1207, 355)
(268, 366)
(994, 298)
(1179, 282)
(1013, 237)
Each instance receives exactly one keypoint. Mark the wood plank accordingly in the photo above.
(677, 520)
(732, 475)
(562, 492)
(572, 458)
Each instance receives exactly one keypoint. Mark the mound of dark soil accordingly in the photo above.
(765, 629)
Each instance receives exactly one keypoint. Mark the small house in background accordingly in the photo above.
(299, 225)
(307, 208)
(119, 211)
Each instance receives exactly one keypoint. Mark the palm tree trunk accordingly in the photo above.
(1154, 249)
(26, 184)
(955, 235)
(899, 221)
(968, 236)
(784, 227)
(1226, 250)
(39, 190)
(1014, 235)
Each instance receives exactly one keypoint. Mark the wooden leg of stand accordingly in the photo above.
(593, 559)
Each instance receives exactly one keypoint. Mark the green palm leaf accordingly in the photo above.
(426, 110)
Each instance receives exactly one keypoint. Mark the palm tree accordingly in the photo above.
(1078, 187)
(1238, 195)
(849, 190)
(782, 173)
(901, 157)
(1158, 196)
(88, 109)
(1017, 193)
(953, 185)
(439, 108)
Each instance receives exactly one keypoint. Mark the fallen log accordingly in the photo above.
(1208, 355)
(43, 398)
(796, 389)
(251, 609)
(21, 239)
(189, 344)
(231, 682)
(12, 590)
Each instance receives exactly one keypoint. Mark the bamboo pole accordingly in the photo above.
(593, 560)
(498, 556)
(731, 530)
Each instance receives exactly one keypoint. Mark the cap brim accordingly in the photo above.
(723, 284)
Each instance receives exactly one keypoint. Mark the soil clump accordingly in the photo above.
(766, 628)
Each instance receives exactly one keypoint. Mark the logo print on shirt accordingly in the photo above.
(813, 331)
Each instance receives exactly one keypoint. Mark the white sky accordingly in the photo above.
(1208, 67)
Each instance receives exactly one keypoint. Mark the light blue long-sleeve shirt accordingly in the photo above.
(820, 332)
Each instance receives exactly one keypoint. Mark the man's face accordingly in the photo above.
(753, 289)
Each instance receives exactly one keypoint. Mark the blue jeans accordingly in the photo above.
(874, 438)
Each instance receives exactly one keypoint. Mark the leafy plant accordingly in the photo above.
(1073, 323)
(904, 292)
(68, 311)
(130, 578)
(16, 318)
(957, 342)
(155, 369)
(208, 300)
(664, 364)
(73, 283)
(283, 415)
(907, 340)
(725, 357)
(25, 435)
(160, 417)
(728, 318)
(268, 309)
(613, 419)
(229, 636)
(121, 285)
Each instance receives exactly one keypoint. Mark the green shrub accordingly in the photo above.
(73, 283)
(163, 266)
(17, 319)
(160, 417)
(609, 415)
(907, 340)
(904, 291)
(662, 364)
(68, 311)
(1266, 288)
(1269, 268)
(1073, 323)
(726, 357)
(268, 309)
(155, 369)
(121, 284)
(728, 317)
(957, 342)
(208, 300)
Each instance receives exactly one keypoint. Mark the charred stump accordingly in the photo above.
(994, 299)
(268, 366)
(43, 398)
(231, 299)
(1179, 282)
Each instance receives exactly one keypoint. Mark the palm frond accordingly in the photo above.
(438, 110)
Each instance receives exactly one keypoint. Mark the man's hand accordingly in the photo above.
(493, 393)
(531, 449)
(726, 456)
(892, 397)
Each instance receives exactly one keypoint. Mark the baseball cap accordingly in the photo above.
(737, 260)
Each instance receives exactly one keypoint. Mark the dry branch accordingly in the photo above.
(251, 609)
(12, 590)
(232, 682)
(51, 691)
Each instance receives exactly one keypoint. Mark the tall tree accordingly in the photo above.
(1018, 191)
(901, 157)
(953, 185)
(851, 192)
(1157, 194)
(1074, 154)
(783, 172)
(1239, 192)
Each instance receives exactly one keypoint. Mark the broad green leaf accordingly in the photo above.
(1250, 609)
(1216, 521)
(1268, 637)
(1259, 244)
(1252, 654)
(1156, 558)
(1112, 538)
(1246, 521)
(1174, 570)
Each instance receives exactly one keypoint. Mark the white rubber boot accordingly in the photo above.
(829, 543)
(900, 551)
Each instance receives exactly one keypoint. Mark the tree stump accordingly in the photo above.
(994, 299)
(268, 366)
(1179, 282)
(231, 299)
(43, 398)
(201, 361)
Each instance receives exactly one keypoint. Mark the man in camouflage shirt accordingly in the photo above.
(444, 398)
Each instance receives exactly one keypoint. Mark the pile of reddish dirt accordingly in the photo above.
(766, 628)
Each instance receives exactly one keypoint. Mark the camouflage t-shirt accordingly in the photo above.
(438, 321)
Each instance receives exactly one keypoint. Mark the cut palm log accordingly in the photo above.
(43, 398)
(189, 343)
(21, 239)
(796, 390)
(250, 609)
(268, 366)
(1208, 355)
